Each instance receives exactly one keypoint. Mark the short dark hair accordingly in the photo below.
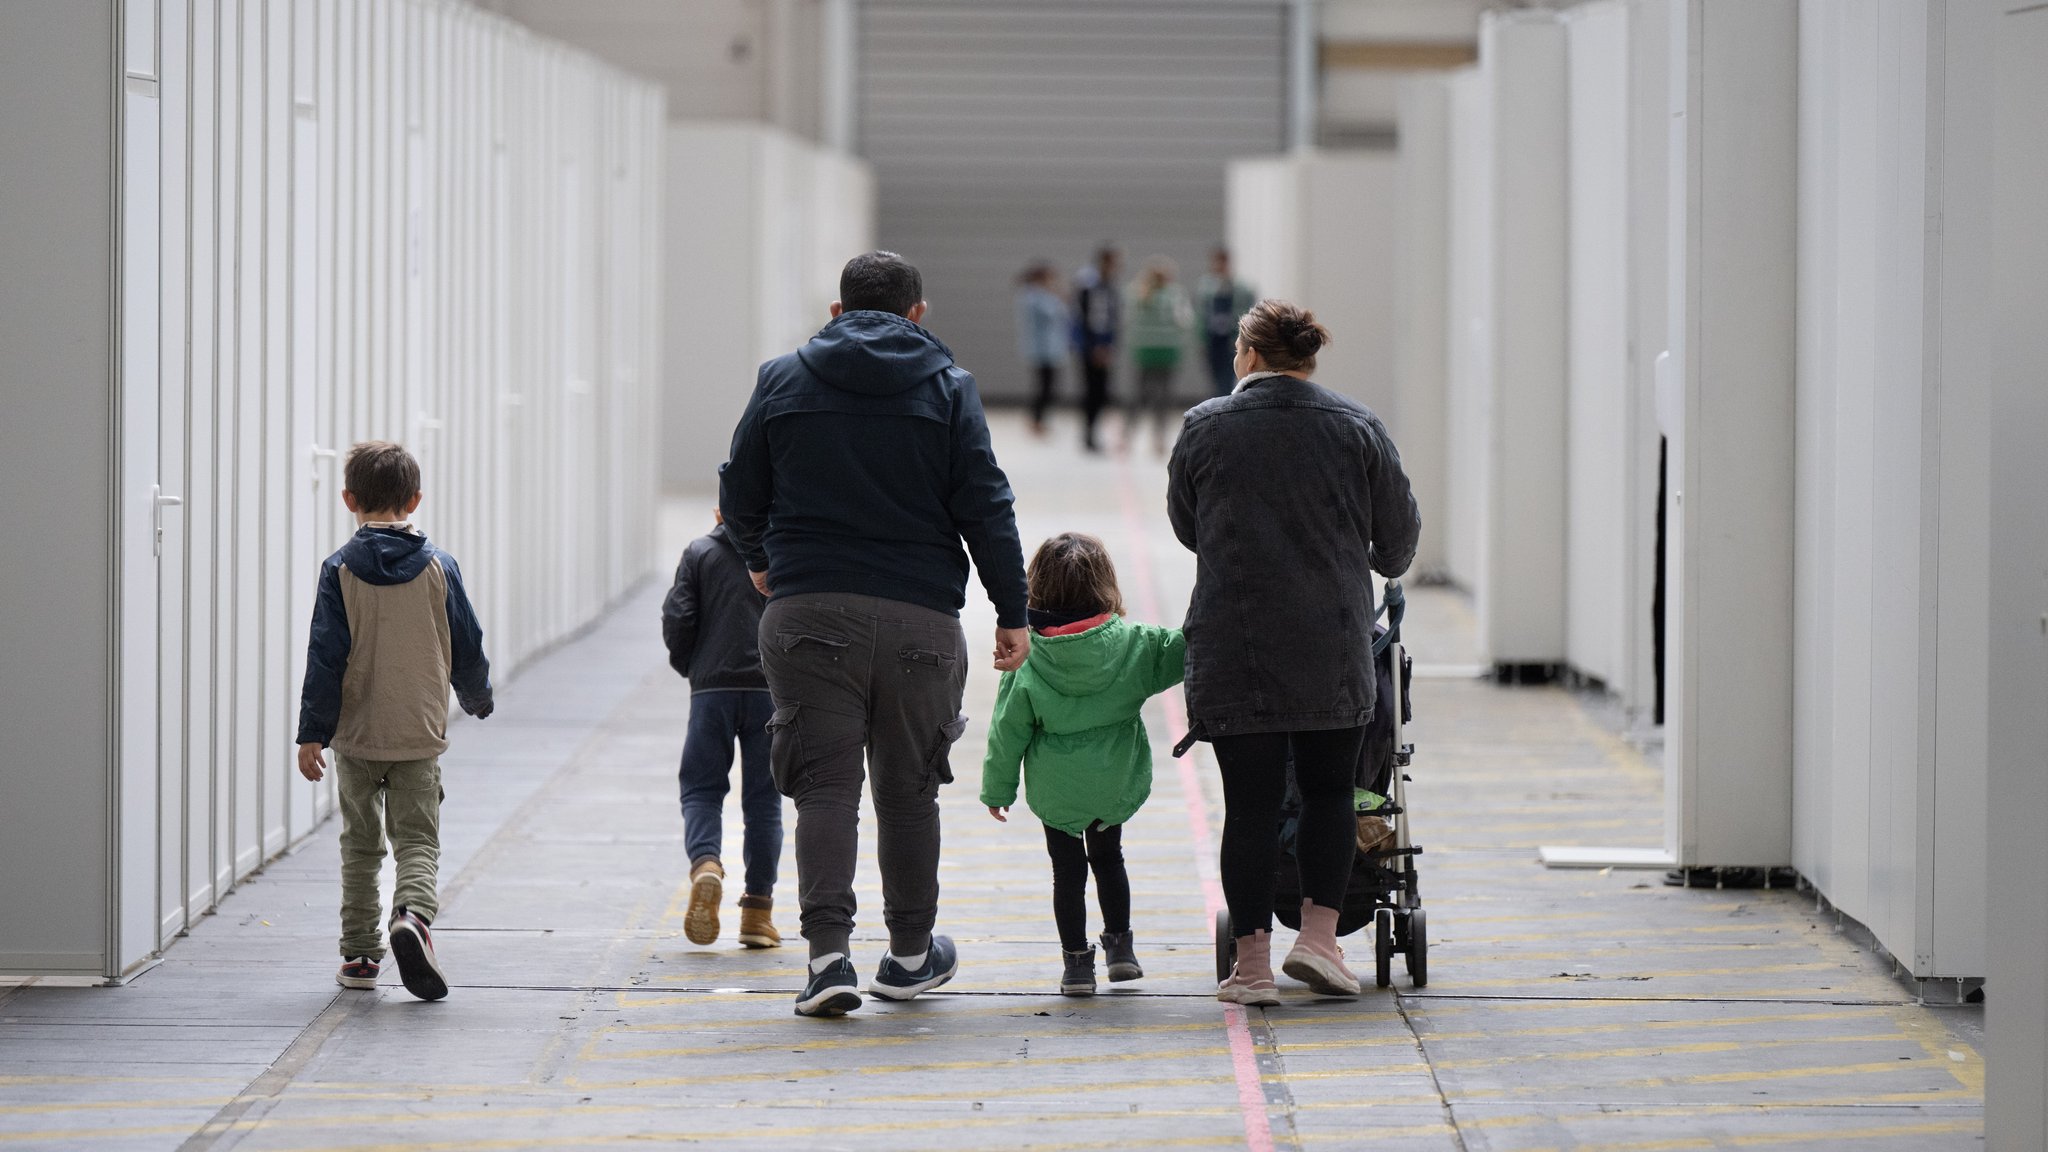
(383, 476)
(1072, 575)
(880, 281)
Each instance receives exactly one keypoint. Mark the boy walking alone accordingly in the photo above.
(711, 622)
(392, 629)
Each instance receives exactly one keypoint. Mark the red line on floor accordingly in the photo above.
(1244, 1060)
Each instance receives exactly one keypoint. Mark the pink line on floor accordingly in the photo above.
(1244, 1059)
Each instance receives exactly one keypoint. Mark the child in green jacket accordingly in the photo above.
(1070, 715)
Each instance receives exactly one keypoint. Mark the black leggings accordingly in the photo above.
(1254, 769)
(1047, 375)
(1072, 856)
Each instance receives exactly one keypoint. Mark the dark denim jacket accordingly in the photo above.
(1286, 492)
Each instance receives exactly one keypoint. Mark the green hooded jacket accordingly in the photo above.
(1070, 716)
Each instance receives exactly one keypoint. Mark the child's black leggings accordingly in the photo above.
(1072, 856)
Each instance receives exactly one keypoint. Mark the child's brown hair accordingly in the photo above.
(1071, 574)
(383, 476)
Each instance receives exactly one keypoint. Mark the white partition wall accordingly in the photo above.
(1421, 342)
(332, 221)
(1892, 589)
(1508, 285)
(754, 286)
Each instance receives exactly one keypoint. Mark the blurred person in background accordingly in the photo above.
(1222, 298)
(1160, 320)
(1098, 322)
(1042, 322)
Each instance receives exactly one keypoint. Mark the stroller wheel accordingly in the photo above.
(1226, 946)
(1383, 947)
(1418, 948)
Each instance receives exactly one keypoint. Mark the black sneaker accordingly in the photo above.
(413, 948)
(1079, 977)
(895, 982)
(357, 972)
(833, 992)
(1121, 957)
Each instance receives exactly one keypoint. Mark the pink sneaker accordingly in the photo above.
(1251, 979)
(1315, 959)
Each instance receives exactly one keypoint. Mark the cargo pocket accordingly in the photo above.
(799, 737)
(939, 763)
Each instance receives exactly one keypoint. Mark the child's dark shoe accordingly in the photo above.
(413, 948)
(1122, 958)
(359, 972)
(757, 922)
(1079, 979)
(707, 887)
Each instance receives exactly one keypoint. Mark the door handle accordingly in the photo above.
(157, 503)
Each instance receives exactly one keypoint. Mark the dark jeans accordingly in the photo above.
(1101, 849)
(1046, 375)
(717, 719)
(1094, 396)
(1222, 367)
(1154, 394)
(1254, 769)
(852, 675)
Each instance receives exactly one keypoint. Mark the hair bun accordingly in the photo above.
(1306, 337)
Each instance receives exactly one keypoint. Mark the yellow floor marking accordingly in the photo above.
(1750, 1075)
(1701, 1048)
(1827, 1137)
(900, 1069)
(1656, 1025)
(98, 1105)
(1669, 973)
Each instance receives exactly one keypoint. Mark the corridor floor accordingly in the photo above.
(1566, 1010)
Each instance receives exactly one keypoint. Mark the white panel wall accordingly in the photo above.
(396, 219)
(1892, 590)
(1508, 340)
(1422, 301)
(1317, 228)
(754, 286)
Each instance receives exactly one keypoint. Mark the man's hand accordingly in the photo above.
(760, 581)
(998, 813)
(1012, 646)
(312, 765)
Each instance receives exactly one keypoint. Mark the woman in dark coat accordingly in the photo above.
(1286, 492)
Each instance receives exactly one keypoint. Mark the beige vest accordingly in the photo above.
(394, 696)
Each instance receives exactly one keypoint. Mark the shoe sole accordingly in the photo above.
(835, 1001)
(1322, 978)
(700, 921)
(1077, 989)
(1119, 973)
(416, 967)
(1249, 997)
(891, 992)
(355, 982)
(753, 940)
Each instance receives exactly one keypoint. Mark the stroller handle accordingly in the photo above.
(1393, 606)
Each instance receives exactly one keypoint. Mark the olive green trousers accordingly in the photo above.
(401, 798)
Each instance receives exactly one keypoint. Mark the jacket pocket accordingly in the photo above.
(940, 763)
(799, 737)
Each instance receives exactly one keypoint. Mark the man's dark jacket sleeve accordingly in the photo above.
(679, 615)
(469, 671)
(327, 648)
(983, 511)
(746, 486)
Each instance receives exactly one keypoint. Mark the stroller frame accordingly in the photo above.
(1384, 890)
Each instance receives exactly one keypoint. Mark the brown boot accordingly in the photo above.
(707, 887)
(757, 922)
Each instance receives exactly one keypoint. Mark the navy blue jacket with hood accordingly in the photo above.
(862, 462)
(392, 630)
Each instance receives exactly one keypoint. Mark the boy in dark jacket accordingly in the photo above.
(711, 622)
(392, 629)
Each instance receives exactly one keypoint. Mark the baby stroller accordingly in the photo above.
(1382, 891)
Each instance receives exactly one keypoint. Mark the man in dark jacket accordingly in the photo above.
(861, 463)
(711, 622)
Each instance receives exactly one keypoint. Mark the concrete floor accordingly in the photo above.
(1567, 1010)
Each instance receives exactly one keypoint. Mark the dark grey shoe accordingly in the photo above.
(1079, 978)
(1121, 957)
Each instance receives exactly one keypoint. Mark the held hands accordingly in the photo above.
(1012, 646)
(760, 581)
(998, 813)
(311, 762)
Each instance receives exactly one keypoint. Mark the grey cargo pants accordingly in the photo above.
(853, 674)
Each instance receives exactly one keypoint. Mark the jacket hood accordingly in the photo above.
(386, 555)
(874, 354)
(1082, 663)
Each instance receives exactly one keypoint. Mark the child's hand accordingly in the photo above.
(311, 762)
(998, 813)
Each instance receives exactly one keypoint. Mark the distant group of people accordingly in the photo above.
(1097, 320)
(818, 625)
